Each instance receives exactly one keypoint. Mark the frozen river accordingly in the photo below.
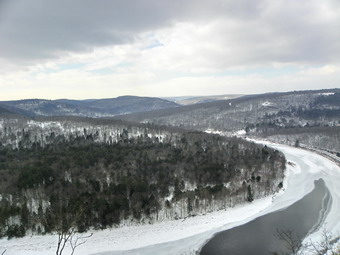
(261, 235)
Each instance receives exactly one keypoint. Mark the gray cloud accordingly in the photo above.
(263, 30)
(43, 28)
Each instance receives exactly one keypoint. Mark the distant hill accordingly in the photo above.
(6, 112)
(296, 108)
(87, 108)
(74, 102)
(201, 99)
(127, 104)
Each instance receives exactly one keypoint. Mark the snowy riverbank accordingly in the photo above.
(137, 236)
(183, 236)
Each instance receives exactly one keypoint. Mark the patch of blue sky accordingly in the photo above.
(103, 71)
(110, 70)
(71, 66)
(124, 64)
(153, 44)
(63, 67)
(48, 71)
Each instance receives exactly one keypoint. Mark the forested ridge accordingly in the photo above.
(60, 173)
(255, 114)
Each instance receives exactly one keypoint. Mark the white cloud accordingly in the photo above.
(216, 48)
(82, 84)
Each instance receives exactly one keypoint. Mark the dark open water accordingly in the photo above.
(259, 237)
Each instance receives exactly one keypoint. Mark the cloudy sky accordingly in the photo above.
(107, 48)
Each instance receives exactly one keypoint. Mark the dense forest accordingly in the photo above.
(64, 173)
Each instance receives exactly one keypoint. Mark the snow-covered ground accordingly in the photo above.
(183, 236)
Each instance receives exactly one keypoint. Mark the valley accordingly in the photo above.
(181, 167)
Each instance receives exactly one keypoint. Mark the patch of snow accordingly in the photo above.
(326, 94)
(67, 177)
(267, 103)
(217, 132)
(293, 168)
(171, 195)
(240, 132)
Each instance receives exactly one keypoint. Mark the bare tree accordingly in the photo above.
(292, 243)
(72, 237)
(3, 252)
(76, 241)
(63, 237)
(295, 246)
(66, 228)
(324, 246)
